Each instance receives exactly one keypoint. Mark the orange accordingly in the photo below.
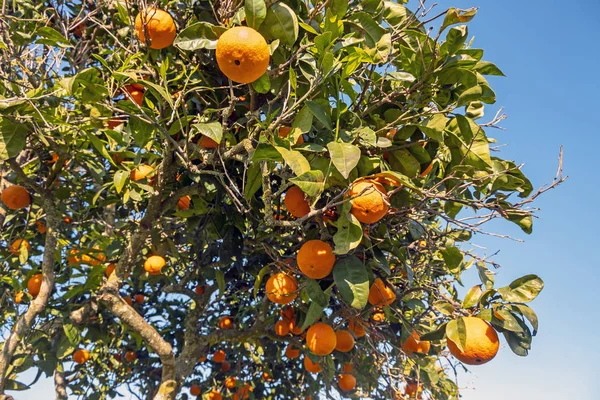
(295, 328)
(214, 395)
(378, 316)
(481, 342)
(95, 256)
(315, 259)
(321, 339)
(282, 288)
(15, 247)
(414, 345)
(242, 54)
(139, 298)
(412, 389)
(380, 294)
(346, 382)
(184, 203)
(15, 197)
(134, 94)
(207, 143)
(356, 327)
(202, 359)
(282, 327)
(81, 356)
(128, 300)
(130, 356)
(225, 366)
(41, 227)
(67, 220)
(34, 284)
(266, 376)
(110, 269)
(344, 341)
(284, 131)
(426, 171)
(219, 356)
(200, 290)
(288, 312)
(291, 352)
(19, 297)
(154, 264)
(140, 172)
(370, 201)
(243, 392)
(112, 124)
(230, 382)
(159, 25)
(195, 390)
(296, 203)
(73, 257)
(311, 366)
(225, 323)
(347, 368)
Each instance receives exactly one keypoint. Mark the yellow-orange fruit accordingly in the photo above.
(184, 203)
(321, 339)
(378, 316)
(140, 172)
(266, 376)
(34, 284)
(295, 202)
(94, 256)
(291, 352)
(81, 356)
(347, 368)
(15, 247)
(195, 390)
(380, 294)
(154, 264)
(370, 201)
(159, 25)
(131, 356)
(230, 382)
(242, 54)
(19, 297)
(282, 327)
(282, 288)
(355, 327)
(481, 342)
(294, 328)
(315, 259)
(284, 131)
(344, 341)
(41, 227)
(243, 392)
(214, 395)
(288, 312)
(219, 356)
(134, 94)
(225, 323)
(346, 382)
(414, 345)
(207, 143)
(311, 366)
(15, 197)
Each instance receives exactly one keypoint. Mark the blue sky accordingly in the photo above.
(549, 52)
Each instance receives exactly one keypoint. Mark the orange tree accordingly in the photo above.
(250, 199)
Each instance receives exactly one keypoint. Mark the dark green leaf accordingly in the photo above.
(352, 281)
(256, 12)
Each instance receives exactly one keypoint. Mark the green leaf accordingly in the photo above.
(453, 258)
(519, 342)
(344, 156)
(201, 35)
(141, 131)
(457, 16)
(13, 385)
(263, 84)
(259, 279)
(349, 232)
(12, 138)
(65, 348)
(485, 275)
(468, 142)
(456, 331)
(314, 312)
(438, 334)
(316, 294)
(220, 277)
(404, 162)
(503, 319)
(522, 290)
(487, 68)
(434, 127)
(339, 8)
(522, 218)
(213, 130)
(99, 146)
(265, 152)
(256, 12)
(472, 297)
(281, 23)
(52, 37)
(303, 121)
(352, 281)
(253, 180)
(72, 333)
(395, 13)
(311, 182)
(472, 94)
(444, 307)
(297, 162)
(320, 113)
(528, 313)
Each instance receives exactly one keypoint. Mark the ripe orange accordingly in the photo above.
(378, 316)
(282, 327)
(230, 382)
(140, 172)
(214, 395)
(67, 219)
(481, 342)
(242, 54)
(15, 247)
(128, 300)
(346, 382)
(282, 288)
(159, 25)
(311, 366)
(347, 368)
(284, 131)
(15, 197)
(112, 124)
(414, 345)
(380, 294)
(219, 356)
(243, 392)
(294, 328)
(110, 269)
(288, 312)
(266, 376)
(344, 341)
(41, 227)
(225, 366)
(413, 389)
(134, 94)
(207, 143)
(81, 356)
(154, 264)
(370, 201)
(356, 327)
(184, 203)
(131, 356)
(200, 290)
(195, 390)
(315, 259)
(34, 284)
(225, 323)
(321, 339)
(19, 297)
(291, 352)
(295, 202)
(202, 358)
(94, 256)
(139, 298)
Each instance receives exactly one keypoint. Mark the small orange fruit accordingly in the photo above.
(159, 25)
(94, 256)
(154, 264)
(356, 327)
(266, 376)
(321, 339)
(414, 345)
(67, 219)
(112, 124)
(295, 202)
(284, 131)
(230, 382)
(81, 356)
(346, 382)
(378, 316)
(128, 300)
(413, 389)
(282, 327)
(347, 368)
(370, 201)
(15, 197)
(315, 259)
(17, 244)
(184, 203)
(288, 312)
(131, 356)
(291, 352)
(139, 298)
(219, 356)
(380, 294)
(207, 143)
(344, 341)
(243, 392)
(134, 94)
(34, 284)
(19, 297)
(294, 328)
(40, 226)
(311, 366)
(282, 288)
(225, 366)
(481, 342)
(242, 54)
(200, 290)
(110, 269)
(195, 390)
(214, 395)
(140, 172)
(225, 323)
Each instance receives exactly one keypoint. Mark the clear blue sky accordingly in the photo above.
(549, 52)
